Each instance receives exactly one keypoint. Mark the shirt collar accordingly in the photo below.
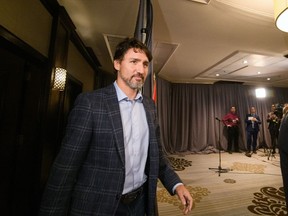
(122, 96)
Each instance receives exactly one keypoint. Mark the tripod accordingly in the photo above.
(264, 144)
(219, 169)
(271, 151)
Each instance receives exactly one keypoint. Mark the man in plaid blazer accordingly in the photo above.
(111, 155)
(283, 150)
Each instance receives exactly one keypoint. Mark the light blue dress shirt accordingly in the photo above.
(136, 139)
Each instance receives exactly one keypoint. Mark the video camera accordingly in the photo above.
(279, 110)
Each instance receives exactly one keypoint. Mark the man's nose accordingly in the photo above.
(141, 68)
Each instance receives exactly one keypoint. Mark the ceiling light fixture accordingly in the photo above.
(281, 14)
(201, 1)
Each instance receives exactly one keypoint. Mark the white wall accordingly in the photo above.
(78, 67)
(29, 20)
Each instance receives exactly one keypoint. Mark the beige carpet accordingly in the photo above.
(252, 185)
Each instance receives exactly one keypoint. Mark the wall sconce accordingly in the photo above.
(59, 79)
(281, 14)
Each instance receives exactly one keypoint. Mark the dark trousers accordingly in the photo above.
(135, 208)
(233, 136)
(284, 170)
(274, 137)
(252, 139)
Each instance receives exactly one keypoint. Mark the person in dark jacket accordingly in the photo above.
(283, 150)
(111, 155)
(252, 129)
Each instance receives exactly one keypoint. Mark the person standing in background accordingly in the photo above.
(252, 129)
(274, 120)
(283, 150)
(231, 120)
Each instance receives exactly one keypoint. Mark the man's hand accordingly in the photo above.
(185, 198)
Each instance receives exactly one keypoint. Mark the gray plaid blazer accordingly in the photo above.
(87, 176)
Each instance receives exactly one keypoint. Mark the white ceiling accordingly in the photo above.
(192, 41)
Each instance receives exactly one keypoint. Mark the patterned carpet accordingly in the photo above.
(251, 186)
(268, 201)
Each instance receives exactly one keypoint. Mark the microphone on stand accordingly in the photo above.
(217, 119)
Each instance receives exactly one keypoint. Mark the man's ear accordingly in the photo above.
(116, 65)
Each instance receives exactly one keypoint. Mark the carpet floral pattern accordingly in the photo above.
(179, 164)
(269, 201)
(197, 193)
(246, 167)
(230, 181)
(243, 191)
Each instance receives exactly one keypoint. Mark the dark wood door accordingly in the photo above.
(21, 106)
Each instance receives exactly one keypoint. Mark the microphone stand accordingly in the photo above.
(219, 169)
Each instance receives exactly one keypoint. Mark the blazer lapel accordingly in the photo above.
(113, 109)
(151, 120)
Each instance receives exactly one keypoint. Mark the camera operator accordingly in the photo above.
(274, 118)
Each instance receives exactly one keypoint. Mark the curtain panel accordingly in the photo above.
(187, 114)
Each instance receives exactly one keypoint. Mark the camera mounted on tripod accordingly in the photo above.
(279, 110)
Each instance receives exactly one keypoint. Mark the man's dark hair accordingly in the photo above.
(129, 43)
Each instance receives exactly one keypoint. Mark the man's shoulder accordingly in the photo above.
(97, 96)
(100, 92)
(148, 101)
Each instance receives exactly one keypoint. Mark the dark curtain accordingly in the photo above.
(187, 113)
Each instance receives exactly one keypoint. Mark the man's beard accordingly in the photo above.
(131, 84)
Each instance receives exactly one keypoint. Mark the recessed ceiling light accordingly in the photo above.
(217, 74)
(259, 72)
(201, 1)
(268, 78)
(245, 61)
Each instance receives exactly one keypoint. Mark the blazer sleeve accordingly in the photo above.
(246, 119)
(63, 174)
(258, 119)
(167, 175)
